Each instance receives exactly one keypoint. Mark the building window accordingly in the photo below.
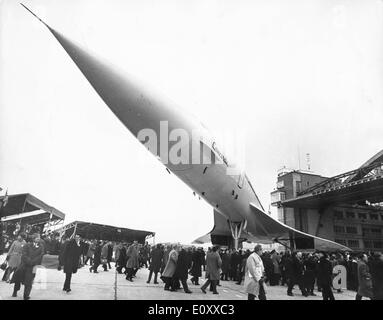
(362, 215)
(373, 216)
(338, 215)
(298, 186)
(338, 229)
(353, 243)
(365, 231)
(367, 244)
(378, 244)
(375, 231)
(352, 230)
(350, 215)
(341, 241)
(277, 197)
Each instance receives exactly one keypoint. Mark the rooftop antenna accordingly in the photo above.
(308, 161)
(299, 160)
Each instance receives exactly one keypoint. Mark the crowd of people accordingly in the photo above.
(306, 270)
(175, 264)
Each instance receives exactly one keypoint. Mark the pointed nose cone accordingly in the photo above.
(129, 99)
(124, 99)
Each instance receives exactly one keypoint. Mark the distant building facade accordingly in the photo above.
(356, 225)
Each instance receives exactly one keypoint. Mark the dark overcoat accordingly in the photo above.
(213, 265)
(183, 265)
(91, 249)
(132, 256)
(156, 259)
(97, 255)
(84, 248)
(30, 257)
(110, 253)
(376, 268)
(364, 280)
(61, 254)
(324, 272)
(71, 256)
(225, 263)
(197, 260)
(121, 256)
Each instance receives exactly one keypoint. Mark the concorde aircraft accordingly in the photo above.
(238, 213)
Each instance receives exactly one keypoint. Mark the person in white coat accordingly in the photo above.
(254, 279)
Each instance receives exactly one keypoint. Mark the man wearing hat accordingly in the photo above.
(32, 255)
(254, 280)
(324, 276)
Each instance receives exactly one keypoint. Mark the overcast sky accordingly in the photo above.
(298, 76)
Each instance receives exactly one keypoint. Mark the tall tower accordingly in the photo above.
(308, 161)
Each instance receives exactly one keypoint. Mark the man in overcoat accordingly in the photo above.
(32, 255)
(295, 274)
(155, 263)
(182, 269)
(71, 260)
(254, 275)
(213, 267)
(104, 255)
(376, 267)
(196, 266)
(364, 278)
(324, 276)
(132, 263)
(120, 257)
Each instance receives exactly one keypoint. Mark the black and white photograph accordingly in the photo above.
(209, 151)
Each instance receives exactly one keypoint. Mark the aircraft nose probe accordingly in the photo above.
(34, 14)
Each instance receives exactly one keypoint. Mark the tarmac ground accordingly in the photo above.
(110, 285)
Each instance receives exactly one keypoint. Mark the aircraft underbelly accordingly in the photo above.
(214, 187)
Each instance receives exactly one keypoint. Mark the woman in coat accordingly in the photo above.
(14, 256)
(170, 268)
(364, 278)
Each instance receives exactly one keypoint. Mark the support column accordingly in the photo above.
(292, 242)
(236, 230)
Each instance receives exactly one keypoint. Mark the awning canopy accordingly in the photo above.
(91, 231)
(33, 218)
(29, 208)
